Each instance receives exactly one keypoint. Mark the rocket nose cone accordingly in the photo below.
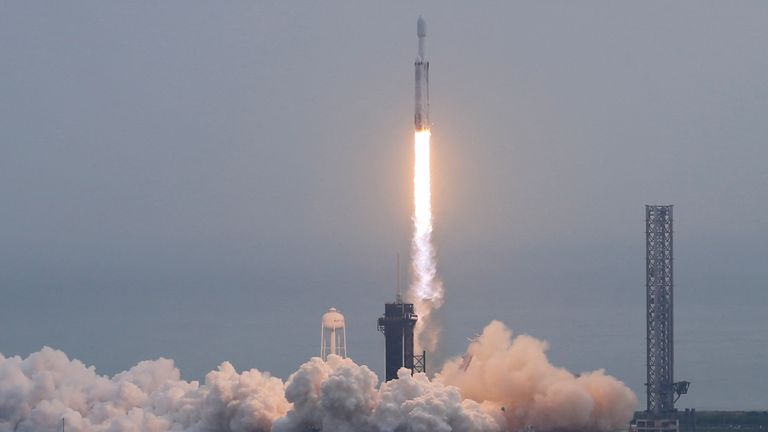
(421, 27)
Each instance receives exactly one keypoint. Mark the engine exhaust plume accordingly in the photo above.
(426, 292)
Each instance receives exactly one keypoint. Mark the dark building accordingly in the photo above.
(397, 324)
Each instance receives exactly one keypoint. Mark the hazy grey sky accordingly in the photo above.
(200, 180)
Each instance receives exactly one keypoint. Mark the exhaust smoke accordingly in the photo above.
(508, 384)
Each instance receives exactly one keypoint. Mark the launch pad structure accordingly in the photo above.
(397, 324)
(662, 391)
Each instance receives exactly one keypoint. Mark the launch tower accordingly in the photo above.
(662, 391)
(397, 324)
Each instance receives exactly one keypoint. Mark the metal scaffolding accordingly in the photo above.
(658, 238)
(662, 390)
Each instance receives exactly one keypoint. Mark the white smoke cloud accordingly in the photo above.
(338, 395)
(40, 390)
(415, 403)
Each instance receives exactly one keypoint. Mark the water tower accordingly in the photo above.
(333, 337)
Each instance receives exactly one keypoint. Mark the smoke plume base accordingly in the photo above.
(509, 384)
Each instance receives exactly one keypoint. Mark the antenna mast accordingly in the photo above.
(398, 295)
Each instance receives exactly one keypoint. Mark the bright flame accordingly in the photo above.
(426, 290)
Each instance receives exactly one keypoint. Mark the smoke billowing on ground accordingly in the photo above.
(501, 384)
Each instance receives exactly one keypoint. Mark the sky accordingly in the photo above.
(202, 180)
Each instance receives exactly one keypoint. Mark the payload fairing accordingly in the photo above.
(421, 117)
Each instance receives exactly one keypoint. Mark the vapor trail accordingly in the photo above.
(426, 291)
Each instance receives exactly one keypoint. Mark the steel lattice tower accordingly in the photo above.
(659, 299)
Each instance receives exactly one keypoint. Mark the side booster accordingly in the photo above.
(421, 117)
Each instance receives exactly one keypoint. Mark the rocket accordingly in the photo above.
(421, 116)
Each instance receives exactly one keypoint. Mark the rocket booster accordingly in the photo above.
(421, 117)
